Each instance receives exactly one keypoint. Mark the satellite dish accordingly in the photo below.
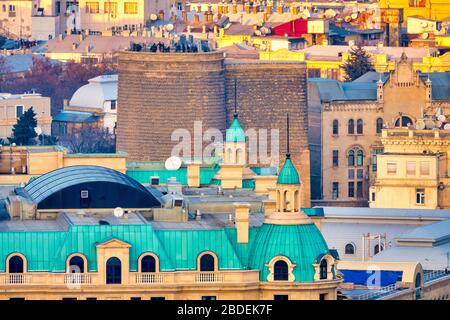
(38, 130)
(441, 118)
(420, 125)
(169, 27)
(118, 212)
(424, 35)
(447, 126)
(173, 163)
(258, 32)
(354, 16)
(348, 19)
(153, 17)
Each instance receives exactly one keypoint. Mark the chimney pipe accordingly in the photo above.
(242, 212)
(225, 9)
(196, 18)
(280, 8)
(247, 7)
(234, 7)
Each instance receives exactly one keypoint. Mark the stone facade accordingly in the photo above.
(155, 89)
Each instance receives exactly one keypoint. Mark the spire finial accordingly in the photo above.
(288, 152)
(235, 115)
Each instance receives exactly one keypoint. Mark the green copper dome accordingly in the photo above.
(288, 173)
(235, 133)
(302, 244)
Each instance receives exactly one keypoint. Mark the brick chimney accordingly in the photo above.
(219, 8)
(234, 7)
(225, 9)
(269, 8)
(242, 213)
(247, 8)
(280, 7)
(196, 18)
(294, 9)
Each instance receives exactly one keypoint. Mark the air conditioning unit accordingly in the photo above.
(154, 180)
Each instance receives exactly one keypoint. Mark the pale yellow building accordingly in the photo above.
(12, 106)
(429, 9)
(353, 116)
(413, 171)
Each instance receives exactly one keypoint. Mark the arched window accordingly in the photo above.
(359, 126)
(239, 156)
(351, 126)
(349, 248)
(378, 248)
(76, 264)
(403, 121)
(230, 155)
(281, 271)
(15, 264)
(113, 271)
(335, 127)
(351, 158)
(207, 263)
(379, 125)
(148, 264)
(418, 286)
(359, 158)
(323, 269)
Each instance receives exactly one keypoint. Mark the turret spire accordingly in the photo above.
(288, 152)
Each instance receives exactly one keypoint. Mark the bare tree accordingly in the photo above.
(89, 139)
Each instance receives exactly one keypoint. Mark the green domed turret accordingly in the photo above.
(288, 174)
(235, 133)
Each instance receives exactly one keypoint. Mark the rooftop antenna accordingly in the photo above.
(235, 99)
(288, 152)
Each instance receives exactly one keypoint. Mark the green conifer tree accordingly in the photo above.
(357, 64)
(24, 130)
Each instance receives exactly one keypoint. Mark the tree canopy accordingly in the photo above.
(358, 64)
(23, 132)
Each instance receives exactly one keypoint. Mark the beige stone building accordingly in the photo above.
(414, 171)
(350, 118)
(12, 106)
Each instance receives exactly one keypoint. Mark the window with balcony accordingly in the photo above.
(113, 271)
(92, 7)
(148, 264)
(16, 264)
(207, 263)
(76, 265)
(281, 271)
(130, 8)
(420, 196)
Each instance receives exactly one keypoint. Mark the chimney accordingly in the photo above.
(255, 8)
(196, 18)
(265, 16)
(184, 16)
(87, 48)
(225, 9)
(174, 18)
(65, 104)
(234, 7)
(210, 17)
(280, 8)
(220, 8)
(294, 9)
(199, 8)
(247, 8)
(269, 8)
(60, 37)
(205, 17)
(203, 29)
(242, 211)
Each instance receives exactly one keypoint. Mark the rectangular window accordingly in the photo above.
(420, 196)
(84, 194)
(113, 104)
(280, 297)
(313, 73)
(424, 168)
(58, 7)
(158, 298)
(208, 298)
(19, 111)
(12, 8)
(335, 158)
(135, 298)
(392, 168)
(351, 189)
(111, 8)
(130, 8)
(91, 298)
(180, 6)
(374, 158)
(359, 189)
(410, 168)
(351, 174)
(373, 196)
(322, 296)
(92, 7)
(335, 190)
(360, 174)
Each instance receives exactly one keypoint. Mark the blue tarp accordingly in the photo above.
(372, 277)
